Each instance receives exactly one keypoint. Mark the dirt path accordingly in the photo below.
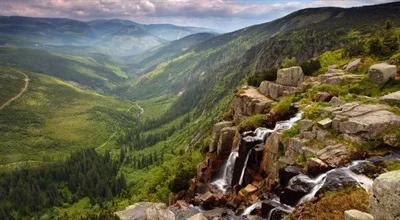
(26, 80)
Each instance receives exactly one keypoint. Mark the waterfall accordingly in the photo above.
(249, 209)
(224, 181)
(244, 167)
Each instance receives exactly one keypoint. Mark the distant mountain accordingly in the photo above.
(115, 37)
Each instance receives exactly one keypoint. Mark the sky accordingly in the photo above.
(222, 15)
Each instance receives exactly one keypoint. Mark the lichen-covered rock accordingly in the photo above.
(381, 73)
(339, 77)
(322, 97)
(385, 197)
(335, 101)
(294, 148)
(353, 214)
(305, 125)
(391, 98)
(353, 65)
(316, 166)
(292, 76)
(146, 211)
(325, 123)
(274, 90)
(249, 101)
(216, 134)
(198, 216)
(334, 156)
(226, 139)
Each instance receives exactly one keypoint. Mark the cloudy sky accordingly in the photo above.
(225, 15)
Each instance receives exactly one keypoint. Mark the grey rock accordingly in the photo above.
(335, 101)
(381, 73)
(353, 65)
(391, 98)
(294, 148)
(198, 216)
(353, 214)
(274, 90)
(385, 197)
(334, 156)
(249, 101)
(325, 123)
(146, 211)
(305, 125)
(392, 140)
(270, 152)
(316, 166)
(322, 97)
(216, 133)
(292, 76)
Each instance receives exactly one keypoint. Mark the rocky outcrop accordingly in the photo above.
(216, 134)
(391, 98)
(339, 77)
(368, 120)
(385, 197)
(249, 101)
(146, 211)
(226, 139)
(292, 76)
(357, 215)
(334, 156)
(353, 65)
(295, 147)
(270, 153)
(381, 73)
(274, 90)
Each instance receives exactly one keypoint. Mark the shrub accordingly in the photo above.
(289, 62)
(283, 106)
(354, 49)
(395, 59)
(252, 122)
(257, 78)
(375, 47)
(365, 87)
(390, 44)
(311, 66)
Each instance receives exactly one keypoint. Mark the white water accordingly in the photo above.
(362, 180)
(244, 167)
(224, 182)
(249, 209)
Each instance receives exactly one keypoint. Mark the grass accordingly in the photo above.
(252, 122)
(53, 118)
(12, 82)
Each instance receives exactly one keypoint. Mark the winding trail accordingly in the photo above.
(26, 81)
(116, 132)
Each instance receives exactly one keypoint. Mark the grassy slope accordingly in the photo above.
(54, 118)
(11, 84)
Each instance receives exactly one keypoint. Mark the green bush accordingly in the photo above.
(257, 78)
(289, 62)
(354, 49)
(311, 66)
(252, 122)
(395, 59)
(283, 106)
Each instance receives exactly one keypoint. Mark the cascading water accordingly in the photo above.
(224, 181)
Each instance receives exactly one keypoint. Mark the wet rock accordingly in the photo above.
(357, 215)
(336, 180)
(145, 211)
(275, 90)
(249, 101)
(198, 216)
(225, 142)
(325, 123)
(292, 76)
(385, 197)
(216, 134)
(288, 173)
(298, 186)
(322, 97)
(353, 65)
(270, 153)
(381, 73)
(391, 98)
(334, 156)
(335, 101)
(316, 166)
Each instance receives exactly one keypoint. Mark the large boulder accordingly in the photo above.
(275, 90)
(367, 120)
(226, 139)
(353, 65)
(292, 76)
(353, 214)
(391, 98)
(334, 156)
(381, 73)
(146, 211)
(216, 134)
(270, 153)
(249, 101)
(295, 148)
(385, 197)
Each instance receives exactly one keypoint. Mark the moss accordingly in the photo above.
(252, 122)
(365, 87)
(283, 106)
(392, 165)
(292, 132)
(332, 205)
